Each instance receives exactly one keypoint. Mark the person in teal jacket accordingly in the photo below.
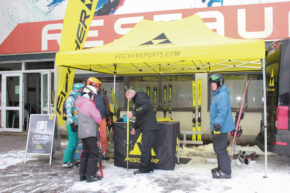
(71, 126)
(221, 122)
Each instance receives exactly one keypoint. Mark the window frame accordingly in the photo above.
(234, 109)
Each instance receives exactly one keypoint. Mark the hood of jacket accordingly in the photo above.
(222, 89)
(81, 101)
(72, 93)
(137, 93)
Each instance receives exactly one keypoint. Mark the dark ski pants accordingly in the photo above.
(223, 158)
(148, 138)
(89, 157)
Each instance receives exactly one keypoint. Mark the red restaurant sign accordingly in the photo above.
(269, 21)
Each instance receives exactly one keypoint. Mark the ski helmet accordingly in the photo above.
(94, 81)
(77, 87)
(90, 92)
(218, 79)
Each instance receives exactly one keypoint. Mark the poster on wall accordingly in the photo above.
(41, 135)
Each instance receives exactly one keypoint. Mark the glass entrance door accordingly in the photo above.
(12, 102)
(46, 97)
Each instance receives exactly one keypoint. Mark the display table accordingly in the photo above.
(163, 151)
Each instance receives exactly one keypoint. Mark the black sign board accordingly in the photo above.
(41, 135)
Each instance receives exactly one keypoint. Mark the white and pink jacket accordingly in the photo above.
(89, 116)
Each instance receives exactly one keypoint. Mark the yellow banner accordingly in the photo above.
(78, 18)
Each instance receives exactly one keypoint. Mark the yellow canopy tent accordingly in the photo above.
(173, 47)
(185, 46)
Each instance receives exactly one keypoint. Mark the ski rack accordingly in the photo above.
(164, 99)
(155, 99)
(170, 101)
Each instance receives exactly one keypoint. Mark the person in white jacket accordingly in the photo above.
(89, 117)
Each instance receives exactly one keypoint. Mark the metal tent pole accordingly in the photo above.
(114, 82)
(265, 115)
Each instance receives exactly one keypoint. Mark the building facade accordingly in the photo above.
(31, 34)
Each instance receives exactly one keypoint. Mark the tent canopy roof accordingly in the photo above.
(185, 46)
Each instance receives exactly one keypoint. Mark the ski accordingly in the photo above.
(128, 142)
(242, 158)
(250, 157)
(100, 157)
(110, 119)
(170, 101)
(148, 91)
(164, 99)
(199, 82)
(155, 99)
(117, 110)
(239, 118)
(193, 109)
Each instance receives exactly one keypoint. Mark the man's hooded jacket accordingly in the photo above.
(144, 113)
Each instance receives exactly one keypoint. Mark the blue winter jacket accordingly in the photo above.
(220, 110)
(71, 109)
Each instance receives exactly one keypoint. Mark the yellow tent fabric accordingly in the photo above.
(185, 46)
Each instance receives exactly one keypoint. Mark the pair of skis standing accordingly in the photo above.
(164, 99)
(242, 158)
(194, 109)
(109, 121)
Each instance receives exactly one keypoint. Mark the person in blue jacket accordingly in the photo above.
(71, 126)
(221, 122)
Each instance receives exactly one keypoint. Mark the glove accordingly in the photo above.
(216, 131)
(73, 127)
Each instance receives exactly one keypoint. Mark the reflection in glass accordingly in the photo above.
(181, 90)
(10, 66)
(254, 94)
(107, 85)
(140, 83)
(12, 119)
(39, 65)
(13, 89)
(44, 90)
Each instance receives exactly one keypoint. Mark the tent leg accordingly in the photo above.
(265, 115)
(114, 82)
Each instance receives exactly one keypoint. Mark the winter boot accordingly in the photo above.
(137, 172)
(83, 177)
(105, 157)
(214, 170)
(93, 178)
(220, 175)
(66, 164)
(77, 163)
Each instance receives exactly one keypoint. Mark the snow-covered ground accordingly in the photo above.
(195, 176)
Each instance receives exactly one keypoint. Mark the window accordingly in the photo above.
(235, 83)
(181, 90)
(39, 65)
(10, 66)
(140, 83)
(107, 85)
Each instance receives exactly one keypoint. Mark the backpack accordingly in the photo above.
(63, 112)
